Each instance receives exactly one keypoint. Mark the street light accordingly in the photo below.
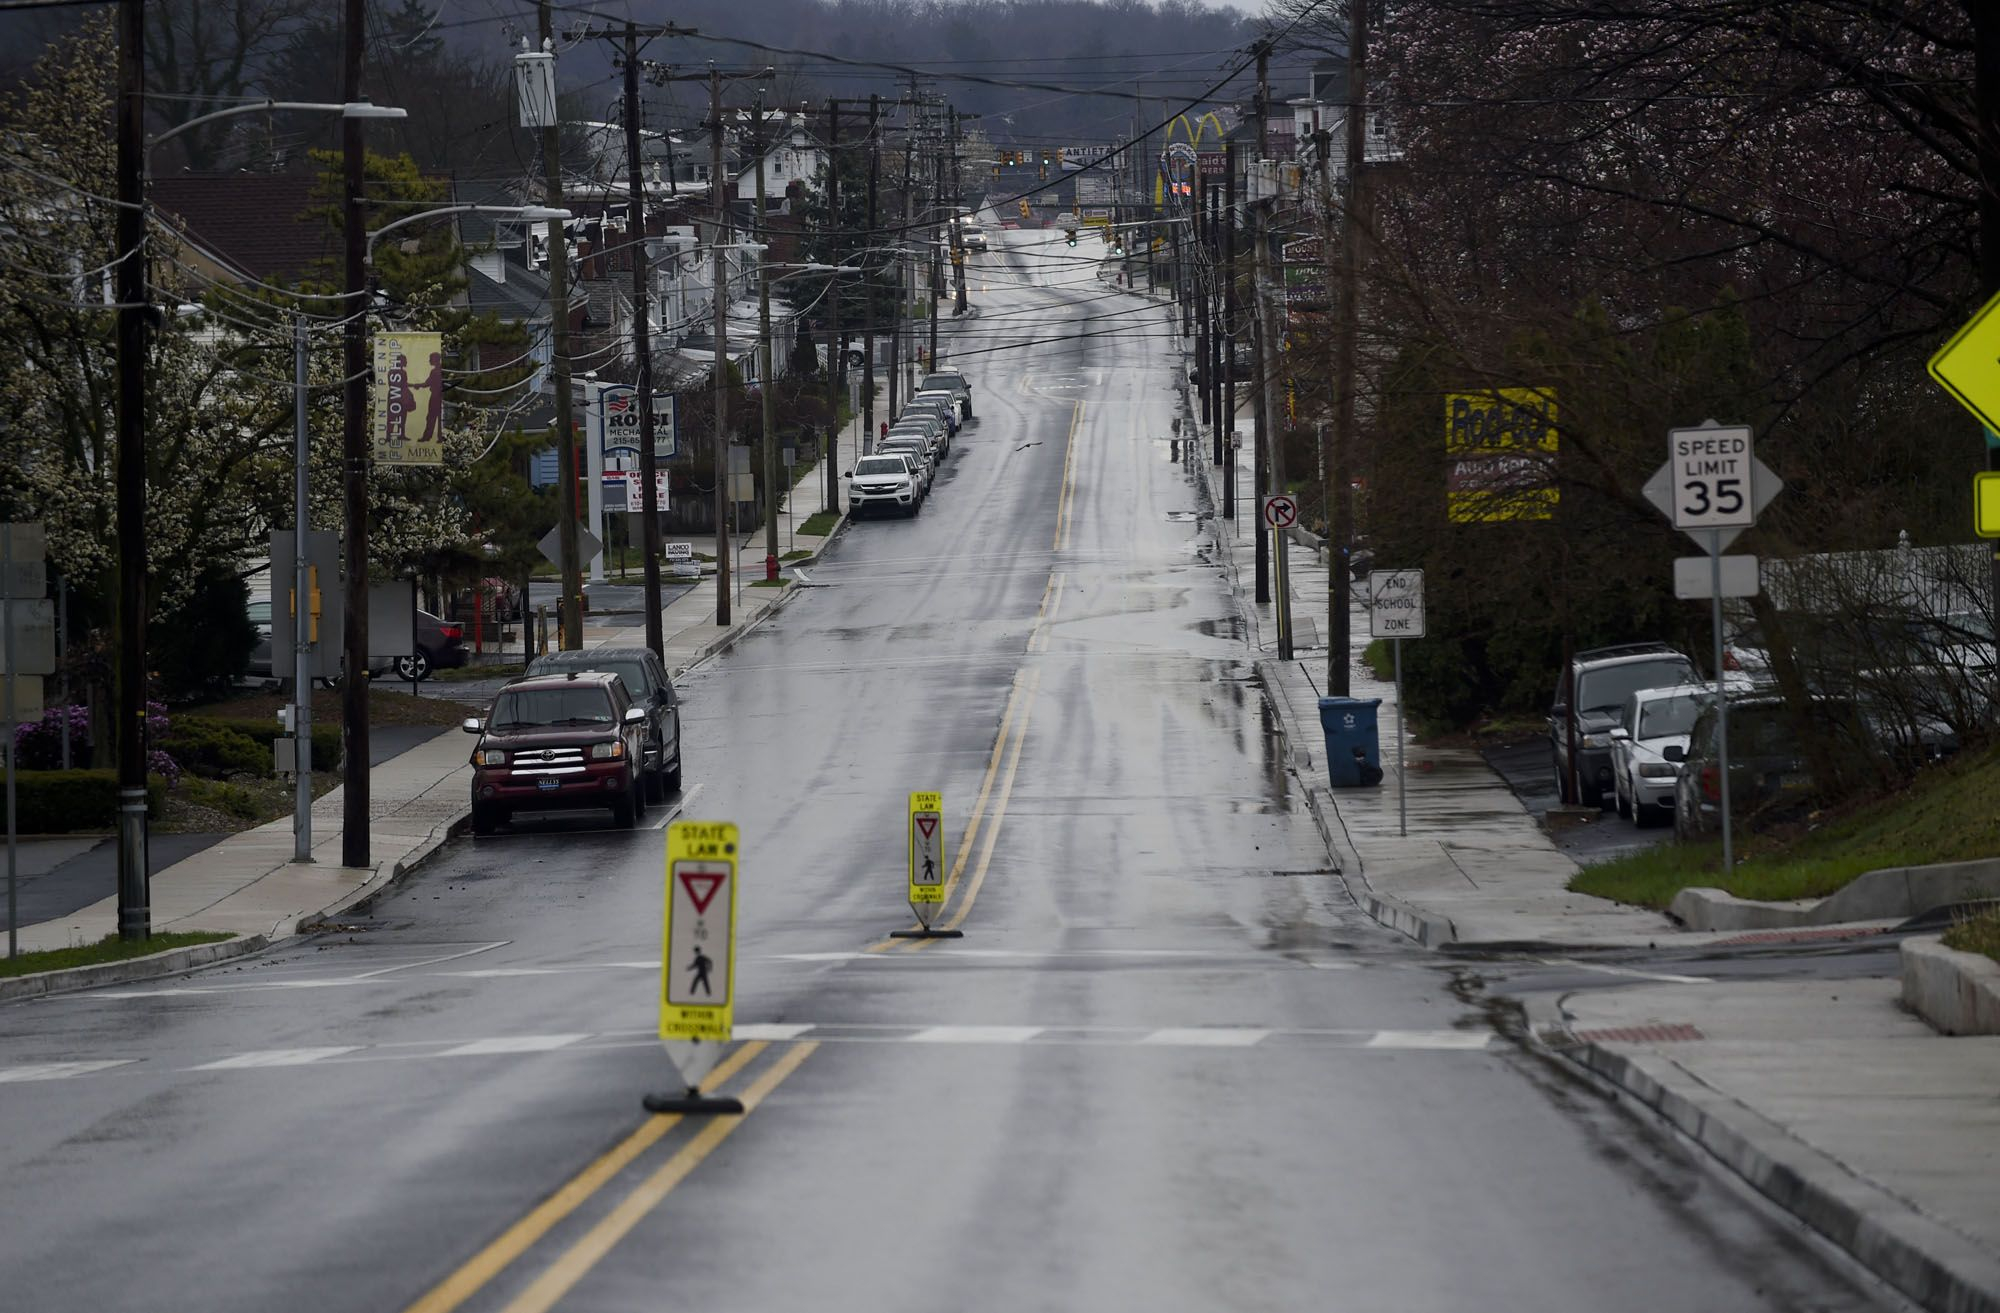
(529, 213)
(134, 901)
(352, 109)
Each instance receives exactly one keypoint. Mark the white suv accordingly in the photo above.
(883, 483)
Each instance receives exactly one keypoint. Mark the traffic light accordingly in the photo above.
(1069, 236)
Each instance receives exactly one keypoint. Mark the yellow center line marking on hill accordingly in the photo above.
(517, 1239)
(1064, 499)
(577, 1261)
(978, 809)
(957, 918)
(1038, 638)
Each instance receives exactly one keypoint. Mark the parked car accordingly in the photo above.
(556, 742)
(931, 424)
(1767, 765)
(1591, 693)
(954, 380)
(440, 646)
(646, 680)
(1648, 745)
(918, 450)
(883, 483)
(941, 400)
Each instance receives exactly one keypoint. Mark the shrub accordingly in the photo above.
(215, 748)
(39, 742)
(325, 741)
(63, 801)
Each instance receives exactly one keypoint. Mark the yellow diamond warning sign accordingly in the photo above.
(698, 976)
(927, 857)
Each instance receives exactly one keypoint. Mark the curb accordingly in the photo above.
(1957, 993)
(723, 642)
(173, 961)
(1885, 893)
(1921, 1257)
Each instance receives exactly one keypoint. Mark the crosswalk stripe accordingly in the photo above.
(771, 1030)
(513, 1044)
(60, 1070)
(1206, 1036)
(975, 1035)
(1429, 1039)
(277, 1058)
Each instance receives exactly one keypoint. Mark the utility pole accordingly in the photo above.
(1216, 294)
(1340, 509)
(1204, 389)
(354, 455)
(1260, 337)
(642, 346)
(569, 551)
(834, 353)
(717, 181)
(135, 913)
(951, 218)
(1986, 103)
(766, 375)
(868, 282)
(938, 147)
(1228, 371)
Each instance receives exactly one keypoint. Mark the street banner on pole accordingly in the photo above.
(409, 399)
(1501, 445)
(927, 854)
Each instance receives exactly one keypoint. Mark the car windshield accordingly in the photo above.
(880, 465)
(1664, 716)
(1607, 689)
(946, 381)
(529, 707)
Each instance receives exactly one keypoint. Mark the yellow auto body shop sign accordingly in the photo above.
(698, 977)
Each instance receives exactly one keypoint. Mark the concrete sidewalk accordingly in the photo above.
(1825, 1096)
(247, 885)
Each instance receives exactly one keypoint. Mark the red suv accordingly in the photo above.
(556, 742)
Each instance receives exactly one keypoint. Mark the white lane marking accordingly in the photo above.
(496, 973)
(773, 1030)
(819, 957)
(975, 1035)
(1428, 1039)
(1631, 973)
(277, 1058)
(434, 961)
(1206, 1036)
(513, 1044)
(60, 1070)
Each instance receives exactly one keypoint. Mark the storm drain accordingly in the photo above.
(1659, 1033)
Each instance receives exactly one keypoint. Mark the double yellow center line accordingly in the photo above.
(570, 1266)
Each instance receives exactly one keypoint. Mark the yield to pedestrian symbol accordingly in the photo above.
(927, 869)
(698, 974)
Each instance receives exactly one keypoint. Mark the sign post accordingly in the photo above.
(698, 960)
(1281, 512)
(1396, 612)
(1713, 487)
(927, 861)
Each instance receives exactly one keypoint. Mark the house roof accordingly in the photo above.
(257, 223)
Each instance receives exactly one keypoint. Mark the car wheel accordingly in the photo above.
(487, 817)
(1647, 817)
(1562, 780)
(673, 775)
(1590, 796)
(1619, 804)
(414, 668)
(624, 814)
(638, 788)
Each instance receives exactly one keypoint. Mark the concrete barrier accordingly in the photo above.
(1892, 893)
(1959, 993)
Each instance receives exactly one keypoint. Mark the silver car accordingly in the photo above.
(1648, 745)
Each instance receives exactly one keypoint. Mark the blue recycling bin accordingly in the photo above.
(1353, 749)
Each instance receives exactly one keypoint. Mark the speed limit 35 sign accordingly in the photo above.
(1711, 471)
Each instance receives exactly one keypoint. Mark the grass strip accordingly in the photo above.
(108, 949)
(818, 525)
(1977, 933)
(1944, 814)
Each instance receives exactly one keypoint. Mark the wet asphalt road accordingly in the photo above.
(1170, 1066)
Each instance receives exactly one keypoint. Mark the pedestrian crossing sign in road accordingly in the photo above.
(927, 856)
(698, 976)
